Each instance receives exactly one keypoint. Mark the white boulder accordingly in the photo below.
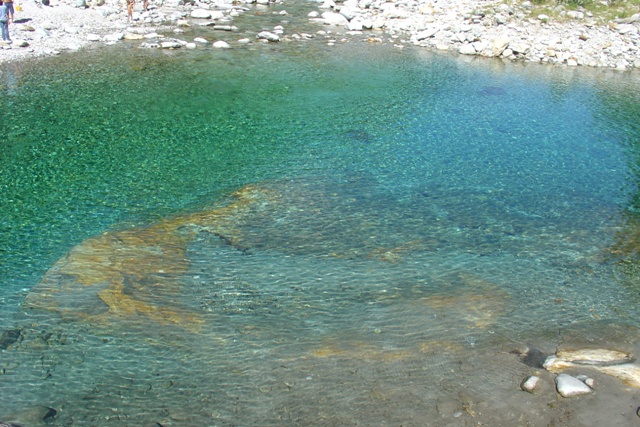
(569, 386)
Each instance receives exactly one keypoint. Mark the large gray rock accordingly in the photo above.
(201, 14)
(498, 45)
(519, 47)
(332, 18)
(427, 33)
(348, 13)
(467, 49)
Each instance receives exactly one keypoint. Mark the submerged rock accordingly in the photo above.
(221, 44)
(9, 337)
(32, 416)
(569, 386)
(597, 356)
(268, 36)
(170, 45)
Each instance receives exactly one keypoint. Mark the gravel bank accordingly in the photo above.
(468, 27)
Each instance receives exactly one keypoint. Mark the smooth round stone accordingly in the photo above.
(569, 386)
(221, 44)
(531, 384)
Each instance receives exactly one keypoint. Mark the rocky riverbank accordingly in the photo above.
(469, 27)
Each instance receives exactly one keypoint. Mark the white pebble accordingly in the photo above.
(531, 384)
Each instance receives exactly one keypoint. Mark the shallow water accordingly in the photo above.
(305, 235)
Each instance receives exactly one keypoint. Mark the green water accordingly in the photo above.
(422, 215)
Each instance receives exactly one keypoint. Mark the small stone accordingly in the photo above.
(569, 386)
(266, 35)
(221, 44)
(132, 36)
(113, 37)
(170, 45)
(531, 384)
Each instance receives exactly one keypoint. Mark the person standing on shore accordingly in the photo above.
(10, 11)
(4, 22)
(130, 4)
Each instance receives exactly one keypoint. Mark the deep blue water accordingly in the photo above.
(407, 210)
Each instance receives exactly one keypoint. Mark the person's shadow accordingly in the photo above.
(21, 20)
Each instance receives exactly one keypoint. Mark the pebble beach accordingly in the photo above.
(506, 30)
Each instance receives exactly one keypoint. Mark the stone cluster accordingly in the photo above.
(616, 363)
(497, 29)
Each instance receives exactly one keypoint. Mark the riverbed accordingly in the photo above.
(306, 234)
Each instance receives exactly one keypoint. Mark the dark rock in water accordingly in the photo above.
(31, 416)
(359, 135)
(532, 357)
(492, 91)
(9, 337)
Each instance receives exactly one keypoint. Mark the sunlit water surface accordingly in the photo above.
(302, 234)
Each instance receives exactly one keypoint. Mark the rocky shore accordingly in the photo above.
(469, 27)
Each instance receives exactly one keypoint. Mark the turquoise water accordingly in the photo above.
(403, 218)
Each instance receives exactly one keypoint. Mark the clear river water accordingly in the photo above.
(303, 234)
